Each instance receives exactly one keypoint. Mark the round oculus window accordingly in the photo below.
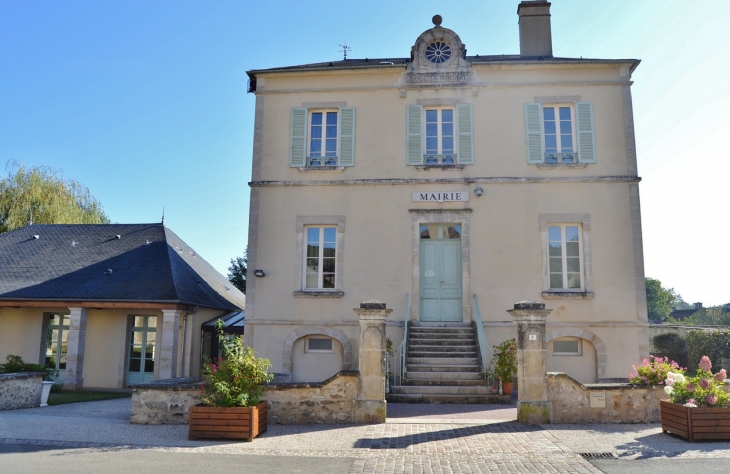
(438, 52)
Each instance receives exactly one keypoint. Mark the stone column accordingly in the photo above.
(76, 347)
(370, 405)
(169, 344)
(533, 406)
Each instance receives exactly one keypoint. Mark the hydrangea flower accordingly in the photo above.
(711, 399)
(679, 378)
(670, 382)
(668, 390)
(689, 404)
(690, 387)
(705, 364)
(721, 376)
(705, 384)
(692, 401)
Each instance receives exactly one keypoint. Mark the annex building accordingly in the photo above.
(449, 186)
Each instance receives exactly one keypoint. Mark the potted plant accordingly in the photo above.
(505, 365)
(697, 408)
(231, 395)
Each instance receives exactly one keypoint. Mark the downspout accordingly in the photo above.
(185, 333)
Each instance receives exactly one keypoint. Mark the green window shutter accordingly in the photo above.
(465, 119)
(298, 151)
(586, 132)
(347, 136)
(415, 135)
(534, 132)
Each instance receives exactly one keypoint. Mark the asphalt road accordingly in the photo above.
(21, 459)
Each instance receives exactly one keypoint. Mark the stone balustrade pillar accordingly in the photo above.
(533, 406)
(75, 349)
(370, 404)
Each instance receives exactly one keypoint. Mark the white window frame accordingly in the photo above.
(304, 222)
(307, 349)
(440, 156)
(564, 255)
(573, 132)
(584, 223)
(322, 158)
(568, 354)
(320, 257)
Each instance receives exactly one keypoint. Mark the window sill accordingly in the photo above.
(439, 167)
(569, 295)
(555, 166)
(319, 294)
(324, 169)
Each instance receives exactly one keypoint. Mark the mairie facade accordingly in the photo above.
(446, 184)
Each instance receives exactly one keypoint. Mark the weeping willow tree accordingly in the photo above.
(41, 195)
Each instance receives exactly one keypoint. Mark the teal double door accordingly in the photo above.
(441, 279)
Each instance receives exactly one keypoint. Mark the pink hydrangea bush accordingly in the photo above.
(704, 389)
(653, 371)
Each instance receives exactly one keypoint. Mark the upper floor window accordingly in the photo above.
(566, 257)
(322, 137)
(560, 133)
(321, 260)
(440, 135)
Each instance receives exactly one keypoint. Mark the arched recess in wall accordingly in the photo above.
(310, 330)
(587, 335)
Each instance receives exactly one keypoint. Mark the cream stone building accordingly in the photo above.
(110, 305)
(449, 186)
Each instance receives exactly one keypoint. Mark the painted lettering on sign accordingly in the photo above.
(441, 196)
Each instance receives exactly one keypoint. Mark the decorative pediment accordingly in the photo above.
(438, 57)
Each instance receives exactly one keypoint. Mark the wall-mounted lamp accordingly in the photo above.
(478, 191)
(259, 273)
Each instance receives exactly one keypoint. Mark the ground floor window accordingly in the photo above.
(57, 342)
(142, 342)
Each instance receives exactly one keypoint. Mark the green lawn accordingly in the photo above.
(67, 396)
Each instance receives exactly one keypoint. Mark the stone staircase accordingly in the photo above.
(443, 367)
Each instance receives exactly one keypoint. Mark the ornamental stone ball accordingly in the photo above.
(437, 20)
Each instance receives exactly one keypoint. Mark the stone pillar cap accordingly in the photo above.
(529, 305)
(373, 304)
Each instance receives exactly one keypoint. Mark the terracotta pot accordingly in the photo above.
(695, 423)
(230, 423)
(507, 388)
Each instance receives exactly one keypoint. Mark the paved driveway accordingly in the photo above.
(417, 438)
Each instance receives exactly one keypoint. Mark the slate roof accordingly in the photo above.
(87, 262)
(403, 62)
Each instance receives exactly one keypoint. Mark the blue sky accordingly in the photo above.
(145, 103)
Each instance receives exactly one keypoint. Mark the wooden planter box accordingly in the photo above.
(695, 423)
(230, 423)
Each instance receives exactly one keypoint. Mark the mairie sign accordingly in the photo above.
(441, 196)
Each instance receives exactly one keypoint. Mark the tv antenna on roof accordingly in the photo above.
(345, 49)
(163, 215)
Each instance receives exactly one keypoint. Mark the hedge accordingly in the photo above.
(715, 344)
(672, 346)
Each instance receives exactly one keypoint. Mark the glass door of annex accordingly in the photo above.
(142, 343)
(441, 272)
(57, 343)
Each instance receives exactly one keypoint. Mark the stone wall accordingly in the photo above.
(331, 401)
(21, 390)
(164, 402)
(622, 402)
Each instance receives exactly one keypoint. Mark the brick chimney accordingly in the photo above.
(535, 34)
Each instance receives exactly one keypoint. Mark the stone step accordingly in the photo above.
(443, 361)
(444, 383)
(443, 390)
(455, 354)
(442, 342)
(462, 399)
(445, 375)
(419, 346)
(442, 368)
(443, 331)
(440, 337)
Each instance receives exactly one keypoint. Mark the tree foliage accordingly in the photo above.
(659, 300)
(712, 316)
(713, 343)
(237, 272)
(41, 193)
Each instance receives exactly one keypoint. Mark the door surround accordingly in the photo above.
(438, 216)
